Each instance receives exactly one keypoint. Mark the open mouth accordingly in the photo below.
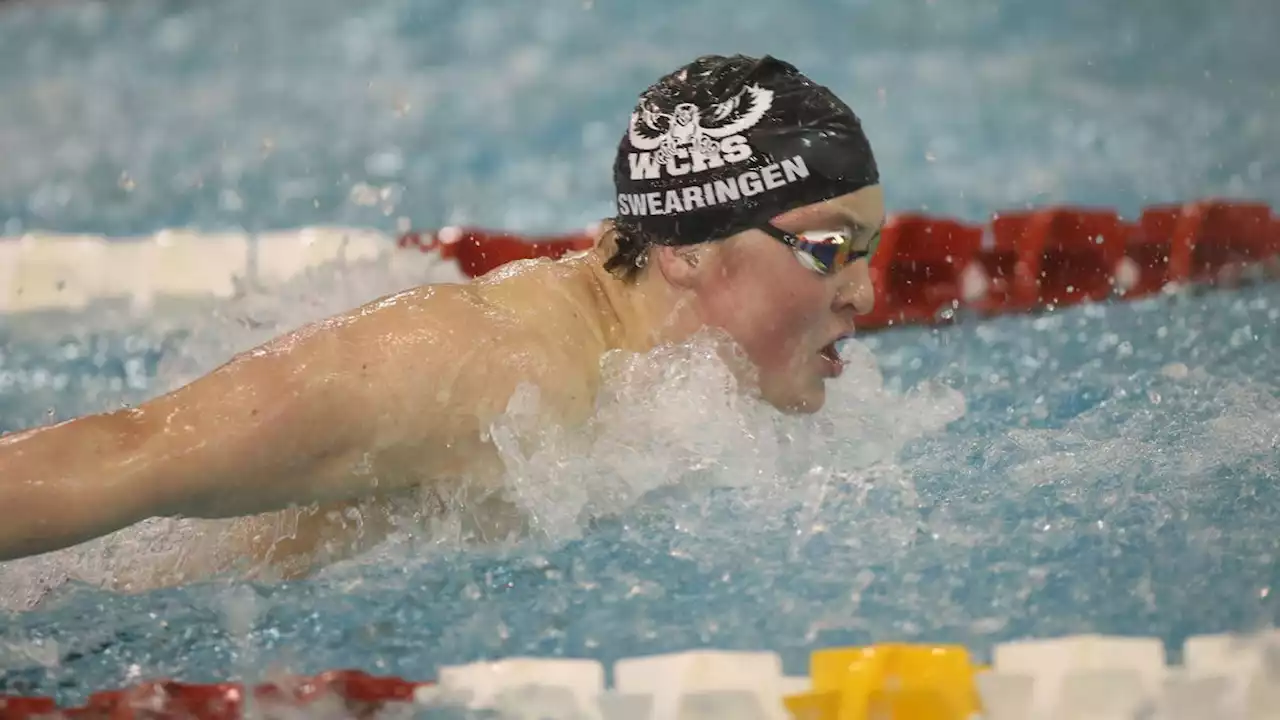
(829, 352)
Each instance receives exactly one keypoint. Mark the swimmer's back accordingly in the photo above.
(542, 316)
(438, 364)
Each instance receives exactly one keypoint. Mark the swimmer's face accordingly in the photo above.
(782, 313)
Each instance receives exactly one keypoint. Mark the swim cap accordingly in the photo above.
(725, 143)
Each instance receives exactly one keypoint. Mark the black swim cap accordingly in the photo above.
(725, 143)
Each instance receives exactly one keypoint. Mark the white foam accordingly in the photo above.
(678, 416)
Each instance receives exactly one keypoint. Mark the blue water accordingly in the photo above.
(125, 117)
(1114, 468)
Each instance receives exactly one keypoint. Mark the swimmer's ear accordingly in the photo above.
(681, 266)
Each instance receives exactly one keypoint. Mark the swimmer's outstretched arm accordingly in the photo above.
(394, 394)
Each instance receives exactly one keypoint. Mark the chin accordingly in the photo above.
(802, 403)
(813, 404)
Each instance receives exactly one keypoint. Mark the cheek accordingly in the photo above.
(776, 324)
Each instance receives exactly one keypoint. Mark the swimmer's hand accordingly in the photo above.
(394, 394)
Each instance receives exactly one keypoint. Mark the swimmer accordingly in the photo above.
(748, 201)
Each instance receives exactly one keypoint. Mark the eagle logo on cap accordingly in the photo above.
(697, 128)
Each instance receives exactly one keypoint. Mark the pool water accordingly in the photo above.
(1107, 468)
(142, 114)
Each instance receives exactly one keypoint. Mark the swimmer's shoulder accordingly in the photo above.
(543, 292)
(479, 341)
(545, 310)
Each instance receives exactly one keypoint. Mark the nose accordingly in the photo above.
(856, 291)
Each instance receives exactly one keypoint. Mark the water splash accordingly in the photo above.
(972, 484)
(679, 417)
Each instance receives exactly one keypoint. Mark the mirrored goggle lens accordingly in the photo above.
(830, 250)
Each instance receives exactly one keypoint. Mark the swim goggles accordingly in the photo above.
(825, 251)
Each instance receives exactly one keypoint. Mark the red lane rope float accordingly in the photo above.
(1215, 238)
(478, 251)
(920, 269)
(360, 695)
(928, 267)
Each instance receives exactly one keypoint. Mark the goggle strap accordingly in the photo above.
(780, 234)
